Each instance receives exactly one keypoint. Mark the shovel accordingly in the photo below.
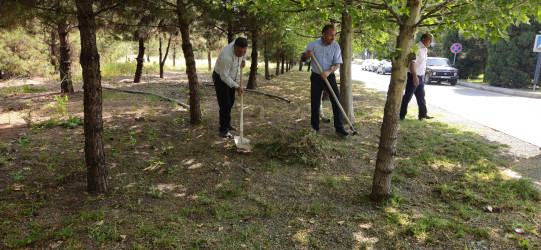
(240, 141)
(334, 97)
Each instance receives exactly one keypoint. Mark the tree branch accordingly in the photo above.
(106, 9)
(390, 9)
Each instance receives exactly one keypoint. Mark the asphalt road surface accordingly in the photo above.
(519, 117)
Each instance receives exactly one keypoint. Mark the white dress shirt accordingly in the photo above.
(227, 65)
(420, 61)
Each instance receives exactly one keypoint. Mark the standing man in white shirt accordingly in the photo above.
(225, 75)
(329, 56)
(415, 82)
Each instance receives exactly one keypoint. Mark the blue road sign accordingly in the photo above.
(456, 48)
(537, 44)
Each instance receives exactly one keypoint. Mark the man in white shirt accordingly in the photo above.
(225, 75)
(415, 82)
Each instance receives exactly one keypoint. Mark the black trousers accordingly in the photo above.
(317, 87)
(419, 92)
(226, 99)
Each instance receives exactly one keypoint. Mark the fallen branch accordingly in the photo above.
(257, 92)
(148, 93)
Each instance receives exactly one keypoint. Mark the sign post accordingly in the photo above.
(537, 48)
(456, 48)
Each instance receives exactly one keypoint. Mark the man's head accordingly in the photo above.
(327, 34)
(240, 46)
(426, 39)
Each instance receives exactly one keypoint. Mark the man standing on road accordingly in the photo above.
(224, 76)
(328, 54)
(415, 82)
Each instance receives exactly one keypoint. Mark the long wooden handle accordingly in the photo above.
(241, 109)
(333, 94)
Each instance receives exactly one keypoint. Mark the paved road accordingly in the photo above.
(519, 117)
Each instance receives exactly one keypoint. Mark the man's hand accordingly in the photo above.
(240, 90)
(309, 53)
(415, 80)
(242, 64)
(325, 74)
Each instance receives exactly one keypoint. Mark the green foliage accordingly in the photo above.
(511, 63)
(23, 53)
(59, 106)
(71, 122)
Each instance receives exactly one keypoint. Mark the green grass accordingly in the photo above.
(24, 89)
(175, 185)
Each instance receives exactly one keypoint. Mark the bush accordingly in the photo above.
(24, 54)
(511, 64)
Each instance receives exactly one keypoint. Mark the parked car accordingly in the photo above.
(373, 65)
(384, 67)
(367, 64)
(439, 69)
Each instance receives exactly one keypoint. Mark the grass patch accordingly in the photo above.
(178, 185)
(24, 89)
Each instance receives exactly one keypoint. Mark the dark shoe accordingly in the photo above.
(325, 119)
(231, 128)
(316, 131)
(425, 117)
(342, 132)
(403, 118)
(225, 134)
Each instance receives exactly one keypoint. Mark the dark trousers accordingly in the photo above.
(419, 92)
(226, 99)
(317, 87)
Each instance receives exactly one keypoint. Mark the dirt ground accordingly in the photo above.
(177, 185)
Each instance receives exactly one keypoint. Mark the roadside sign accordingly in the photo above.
(456, 48)
(537, 44)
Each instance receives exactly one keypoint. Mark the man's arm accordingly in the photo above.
(309, 53)
(328, 72)
(225, 66)
(414, 73)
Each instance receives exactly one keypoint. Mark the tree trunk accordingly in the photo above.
(230, 33)
(288, 64)
(162, 61)
(183, 23)
(148, 53)
(140, 61)
(300, 65)
(252, 80)
(209, 60)
(93, 125)
(277, 59)
(346, 44)
(283, 62)
(53, 48)
(266, 58)
(160, 56)
(66, 85)
(174, 56)
(381, 185)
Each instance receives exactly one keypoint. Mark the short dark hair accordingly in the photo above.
(326, 27)
(241, 42)
(427, 36)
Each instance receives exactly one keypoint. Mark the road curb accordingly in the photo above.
(501, 90)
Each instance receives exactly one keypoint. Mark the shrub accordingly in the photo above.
(511, 64)
(24, 54)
